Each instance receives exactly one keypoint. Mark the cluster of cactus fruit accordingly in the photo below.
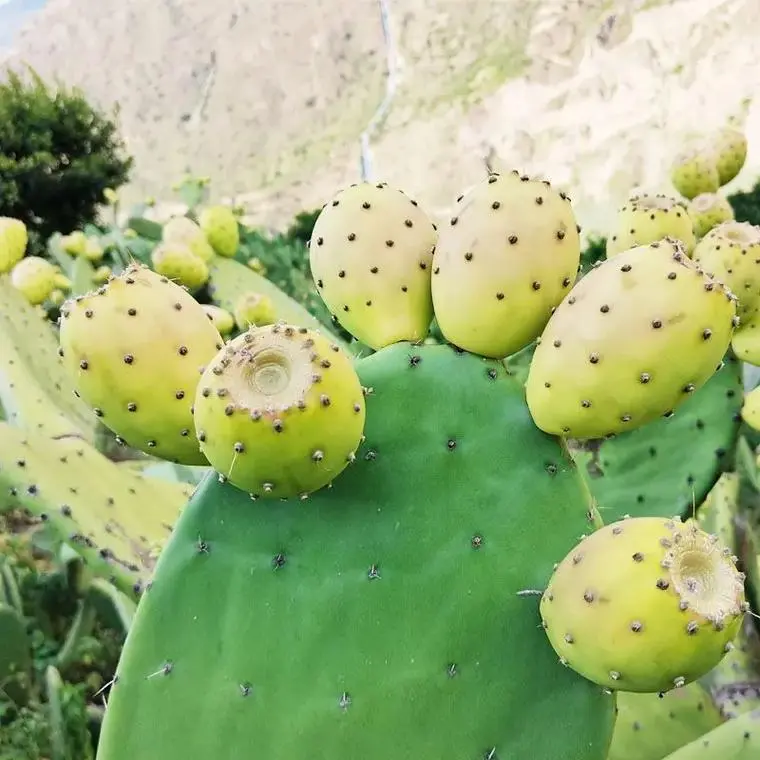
(408, 555)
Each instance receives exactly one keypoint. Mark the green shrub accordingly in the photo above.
(57, 155)
(746, 205)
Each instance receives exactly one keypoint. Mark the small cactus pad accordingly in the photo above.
(220, 226)
(503, 262)
(737, 739)
(371, 252)
(177, 262)
(708, 210)
(381, 618)
(13, 242)
(135, 349)
(34, 277)
(695, 172)
(644, 605)
(730, 149)
(648, 219)
(181, 229)
(253, 308)
(279, 412)
(633, 339)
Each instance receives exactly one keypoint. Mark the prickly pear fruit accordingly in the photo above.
(222, 319)
(751, 408)
(93, 250)
(13, 242)
(75, 243)
(279, 412)
(632, 340)
(57, 297)
(695, 172)
(35, 278)
(708, 210)
(506, 259)
(730, 149)
(61, 282)
(220, 226)
(745, 342)
(257, 266)
(134, 349)
(180, 229)
(649, 218)
(644, 605)
(370, 253)
(101, 274)
(177, 262)
(254, 309)
(731, 253)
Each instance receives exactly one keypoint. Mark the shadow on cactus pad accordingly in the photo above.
(380, 618)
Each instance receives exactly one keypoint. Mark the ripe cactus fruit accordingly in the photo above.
(220, 225)
(181, 229)
(731, 253)
(35, 278)
(13, 242)
(254, 309)
(649, 218)
(177, 262)
(730, 149)
(75, 243)
(134, 349)
(370, 253)
(644, 605)
(633, 340)
(708, 210)
(506, 259)
(222, 319)
(695, 172)
(279, 412)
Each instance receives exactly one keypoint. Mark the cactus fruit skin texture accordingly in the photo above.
(364, 618)
(177, 262)
(181, 229)
(134, 350)
(644, 605)
(694, 172)
(220, 225)
(649, 218)
(13, 241)
(633, 339)
(371, 255)
(708, 210)
(737, 739)
(254, 309)
(746, 340)
(35, 278)
(280, 411)
(222, 319)
(730, 149)
(502, 264)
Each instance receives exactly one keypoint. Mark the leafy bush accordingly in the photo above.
(746, 205)
(57, 155)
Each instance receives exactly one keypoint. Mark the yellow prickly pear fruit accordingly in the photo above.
(13, 241)
(502, 264)
(695, 172)
(222, 319)
(746, 341)
(134, 349)
(257, 266)
(644, 605)
(254, 309)
(101, 274)
(632, 340)
(180, 229)
(279, 412)
(751, 408)
(729, 146)
(35, 277)
(370, 252)
(61, 282)
(220, 225)
(75, 243)
(648, 218)
(730, 252)
(708, 210)
(57, 297)
(177, 262)
(93, 251)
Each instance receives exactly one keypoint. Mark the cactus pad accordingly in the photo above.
(737, 739)
(222, 319)
(695, 172)
(745, 342)
(220, 225)
(177, 262)
(380, 618)
(181, 229)
(708, 210)
(254, 309)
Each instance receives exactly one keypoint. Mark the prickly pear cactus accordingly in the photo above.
(177, 262)
(220, 226)
(181, 229)
(380, 618)
(15, 656)
(221, 318)
(737, 739)
(13, 241)
(502, 264)
(745, 342)
(695, 172)
(708, 210)
(730, 149)
(254, 309)
(34, 277)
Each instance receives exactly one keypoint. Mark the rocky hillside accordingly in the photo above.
(269, 99)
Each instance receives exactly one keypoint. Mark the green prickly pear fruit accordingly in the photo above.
(730, 148)
(57, 297)
(75, 243)
(101, 274)
(35, 278)
(370, 253)
(178, 262)
(632, 340)
(644, 605)
(134, 349)
(279, 412)
(731, 253)
(708, 210)
(254, 309)
(751, 408)
(745, 342)
(506, 259)
(648, 218)
(222, 319)
(180, 229)
(220, 225)
(13, 242)
(695, 172)
(93, 251)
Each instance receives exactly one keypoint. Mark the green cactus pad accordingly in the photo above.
(708, 210)
(670, 465)
(380, 618)
(737, 739)
(503, 262)
(254, 309)
(15, 656)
